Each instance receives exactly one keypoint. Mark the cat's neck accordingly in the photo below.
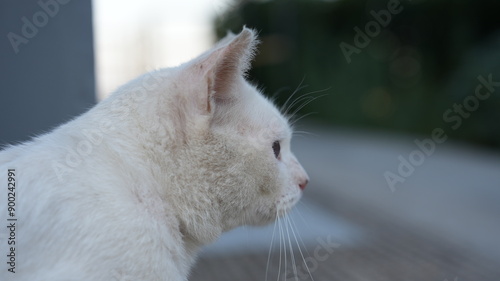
(153, 178)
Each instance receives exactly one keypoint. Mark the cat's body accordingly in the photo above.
(133, 188)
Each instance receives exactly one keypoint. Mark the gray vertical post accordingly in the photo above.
(46, 65)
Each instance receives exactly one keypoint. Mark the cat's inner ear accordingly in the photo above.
(224, 66)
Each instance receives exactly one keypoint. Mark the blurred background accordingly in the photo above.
(399, 130)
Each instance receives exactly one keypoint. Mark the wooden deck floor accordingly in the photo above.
(392, 252)
(395, 256)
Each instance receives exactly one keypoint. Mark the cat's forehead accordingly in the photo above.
(259, 114)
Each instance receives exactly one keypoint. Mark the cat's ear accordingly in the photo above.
(223, 66)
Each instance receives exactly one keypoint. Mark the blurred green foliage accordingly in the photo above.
(426, 59)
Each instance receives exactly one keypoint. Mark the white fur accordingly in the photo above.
(133, 188)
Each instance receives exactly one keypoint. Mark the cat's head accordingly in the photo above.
(228, 146)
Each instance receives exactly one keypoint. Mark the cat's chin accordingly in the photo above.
(286, 203)
(284, 206)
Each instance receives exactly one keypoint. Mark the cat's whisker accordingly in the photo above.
(294, 265)
(308, 101)
(280, 236)
(284, 247)
(295, 120)
(300, 133)
(297, 228)
(298, 245)
(302, 204)
(271, 247)
(285, 105)
(300, 99)
(297, 101)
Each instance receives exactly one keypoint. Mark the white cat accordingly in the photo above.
(133, 188)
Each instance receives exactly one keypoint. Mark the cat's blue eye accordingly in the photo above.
(276, 149)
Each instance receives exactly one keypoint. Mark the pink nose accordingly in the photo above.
(303, 184)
